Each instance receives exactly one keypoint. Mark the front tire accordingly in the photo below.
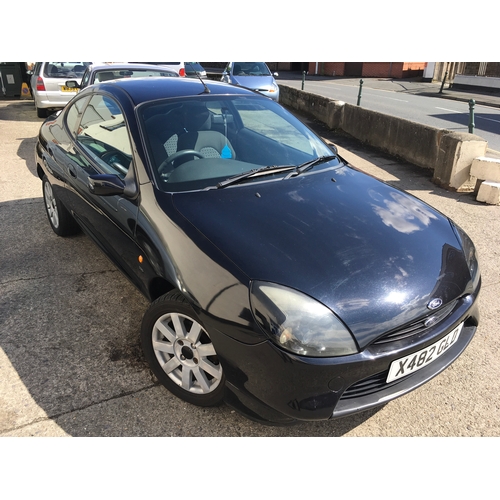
(180, 351)
(61, 221)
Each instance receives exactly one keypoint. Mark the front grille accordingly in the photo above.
(420, 326)
(369, 386)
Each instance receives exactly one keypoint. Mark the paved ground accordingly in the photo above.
(70, 362)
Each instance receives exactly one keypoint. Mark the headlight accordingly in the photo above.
(299, 323)
(470, 254)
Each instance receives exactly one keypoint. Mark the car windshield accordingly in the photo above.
(250, 69)
(196, 143)
(65, 69)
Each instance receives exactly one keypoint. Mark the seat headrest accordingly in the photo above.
(196, 117)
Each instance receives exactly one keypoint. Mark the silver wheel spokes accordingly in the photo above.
(186, 354)
(50, 203)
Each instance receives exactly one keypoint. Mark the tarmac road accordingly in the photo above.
(70, 360)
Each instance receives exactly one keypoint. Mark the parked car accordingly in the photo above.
(281, 279)
(48, 84)
(97, 73)
(178, 67)
(195, 70)
(254, 76)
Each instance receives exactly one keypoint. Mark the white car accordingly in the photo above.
(48, 84)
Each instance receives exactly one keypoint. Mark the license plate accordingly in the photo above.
(67, 89)
(410, 364)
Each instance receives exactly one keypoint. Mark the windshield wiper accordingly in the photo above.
(309, 164)
(271, 169)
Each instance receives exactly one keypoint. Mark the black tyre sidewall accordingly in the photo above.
(174, 302)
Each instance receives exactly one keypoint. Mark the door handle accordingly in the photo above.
(72, 171)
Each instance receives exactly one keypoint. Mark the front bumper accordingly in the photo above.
(272, 386)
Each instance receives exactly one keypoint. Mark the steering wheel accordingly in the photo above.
(175, 156)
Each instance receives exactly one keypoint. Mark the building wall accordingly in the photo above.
(326, 68)
(383, 70)
(367, 69)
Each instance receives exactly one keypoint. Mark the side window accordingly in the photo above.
(103, 134)
(74, 114)
(85, 78)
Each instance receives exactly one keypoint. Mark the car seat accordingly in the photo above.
(198, 136)
(52, 70)
(79, 68)
(186, 127)
(104, 76)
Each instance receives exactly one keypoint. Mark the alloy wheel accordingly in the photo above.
(186, 354)
(50, 203)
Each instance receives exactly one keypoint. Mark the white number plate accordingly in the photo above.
(417, 360)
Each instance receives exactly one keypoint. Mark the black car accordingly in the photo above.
(282, 280)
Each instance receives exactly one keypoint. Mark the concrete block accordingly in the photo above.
(457, 151)
(489, 192)
(486, 169)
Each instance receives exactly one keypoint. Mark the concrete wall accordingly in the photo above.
(468, 81)
(448, 154)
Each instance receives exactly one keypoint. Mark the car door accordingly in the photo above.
(102, 145)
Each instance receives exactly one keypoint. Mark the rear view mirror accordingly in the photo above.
(219, 119)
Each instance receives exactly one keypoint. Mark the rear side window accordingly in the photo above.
(64, 69)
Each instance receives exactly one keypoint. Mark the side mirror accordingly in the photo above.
(72, 84)
(106, 185)
(112, 185)
(276, 73)
(333, 148)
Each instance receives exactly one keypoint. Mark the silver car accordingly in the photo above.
(253, 76)
(48, 84)
(96, 73)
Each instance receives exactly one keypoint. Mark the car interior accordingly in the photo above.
(181, 132)
(64, 69)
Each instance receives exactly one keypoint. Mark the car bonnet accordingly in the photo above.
(374, 255)
(254, 82)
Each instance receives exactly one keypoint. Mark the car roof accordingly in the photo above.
(149, 89)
